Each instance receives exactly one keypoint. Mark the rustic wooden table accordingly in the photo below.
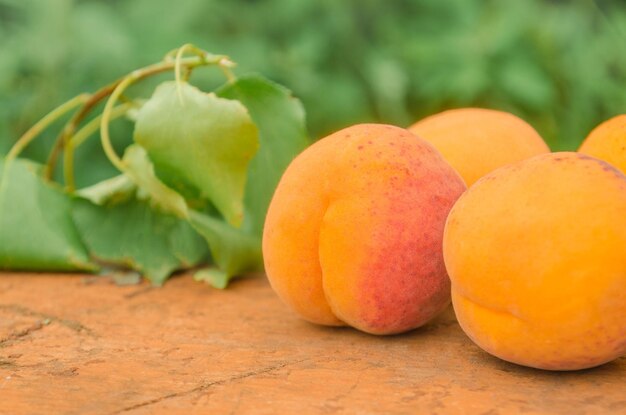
(82, 345)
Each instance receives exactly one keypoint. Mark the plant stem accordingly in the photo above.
(226, 65)
(79, 138)
(106, 119)
(42, 124)
(95, 98)
(180, 52)
(73, 123)
(94, 125)
(177, 69)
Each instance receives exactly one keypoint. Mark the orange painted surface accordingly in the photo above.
(81, 345)
(476, 141)
(608, 142)
(354, 231)
(536, 252)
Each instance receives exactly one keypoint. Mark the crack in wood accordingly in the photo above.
(207, 385)
(46, 319)
(22, 333)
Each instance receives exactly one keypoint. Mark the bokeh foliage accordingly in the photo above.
(561, 65)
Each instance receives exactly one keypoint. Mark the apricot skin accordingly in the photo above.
(608, 142)
(476, 141)
(536, 252)
(353, 235)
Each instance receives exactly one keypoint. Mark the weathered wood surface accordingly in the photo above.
(82, 345)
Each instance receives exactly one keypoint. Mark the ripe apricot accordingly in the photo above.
(476, 141)
(536, 252)
(354, 231)
(608, 142)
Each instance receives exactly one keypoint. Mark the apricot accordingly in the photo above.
(536, 252)
(476, 141)
(353, 235)
(608, 142)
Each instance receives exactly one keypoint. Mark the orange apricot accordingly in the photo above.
(608, 142)
(353, 235)
(476, 141)
(536, 252)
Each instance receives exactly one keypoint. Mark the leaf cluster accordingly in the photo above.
(192, 188)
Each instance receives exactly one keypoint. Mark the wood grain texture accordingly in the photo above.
(72, 344)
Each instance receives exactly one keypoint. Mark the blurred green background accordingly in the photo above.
(561, 65)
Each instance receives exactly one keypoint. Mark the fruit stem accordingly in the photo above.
(44, 123)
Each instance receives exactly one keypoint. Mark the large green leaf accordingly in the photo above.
(200, 141)
(134, 234)
(36, 228)
(282, 133)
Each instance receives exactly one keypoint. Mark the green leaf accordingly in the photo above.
(282, 132)
(36, 228)
(134, 234)
(200, 141)
(233, 251)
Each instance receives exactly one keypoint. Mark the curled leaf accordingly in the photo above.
(140, 170)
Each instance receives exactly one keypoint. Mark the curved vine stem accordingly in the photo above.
(42, 124)
(80, 137)
(72, 125)
(94, 125)
(91, 101)
(226, 66)
(106, 119)
(177, 68)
